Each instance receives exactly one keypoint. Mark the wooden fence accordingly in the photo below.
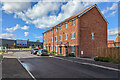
(111, 52)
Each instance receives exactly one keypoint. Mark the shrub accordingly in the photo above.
(53, 53)
(96, 59)
(70, 55)
(103, 59)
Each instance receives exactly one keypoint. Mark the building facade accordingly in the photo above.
(19, 43)
(80, 34)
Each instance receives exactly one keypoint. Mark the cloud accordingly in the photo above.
(13, 28)
(25, 28)
(47, 14)
(36, 36)
(26, 33)
(39, 37)
(11, 7)
(113, 7)
(114, 31)
(7, 36)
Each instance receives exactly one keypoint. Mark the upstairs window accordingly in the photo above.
(73, 22)
(56, 38)
(92, 34)
(73, 35)
(66, 25)
(52, 39)
(60, 37)
(60, 27)
(66, 36)
(56, 29)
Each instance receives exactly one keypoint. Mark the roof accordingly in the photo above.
(110, 41)
(117, 38)
(78, 15)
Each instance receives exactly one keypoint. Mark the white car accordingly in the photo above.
(42, 52)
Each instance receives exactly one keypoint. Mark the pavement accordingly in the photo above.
(89, 60)
(11, 68)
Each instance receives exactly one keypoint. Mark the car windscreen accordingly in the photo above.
(35, 49)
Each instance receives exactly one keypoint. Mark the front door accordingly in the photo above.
(66, 50)
(60, 50)
(49, 48)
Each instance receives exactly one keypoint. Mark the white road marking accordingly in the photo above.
(89, 64)
(27, 70)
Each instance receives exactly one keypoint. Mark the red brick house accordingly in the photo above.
(116, 43)
(80, 34)
(111, 43)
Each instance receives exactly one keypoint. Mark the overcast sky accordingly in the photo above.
(28, 20)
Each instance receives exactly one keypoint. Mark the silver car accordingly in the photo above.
(34, 51)
(42, 52)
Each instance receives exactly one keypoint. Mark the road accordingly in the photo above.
(50, 67)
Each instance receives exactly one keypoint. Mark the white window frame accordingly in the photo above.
(66, 25)
(66, 36)
(56, 29)
(56, 38)
(73, 22)
(92, 35)
(52, 39)
(44, 47)
(72, 49)
(61, 27)
(73, 35)
(52, 48)
(60, 38)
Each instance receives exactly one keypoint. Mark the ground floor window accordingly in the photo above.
(72, 49)
(52, 48)
(44, 47)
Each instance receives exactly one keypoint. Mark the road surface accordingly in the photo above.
(50, 67)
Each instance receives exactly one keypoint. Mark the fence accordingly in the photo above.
(111, 52)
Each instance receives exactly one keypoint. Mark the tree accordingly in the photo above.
(37, 41)
(27, 39)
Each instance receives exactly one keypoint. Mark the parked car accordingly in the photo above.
(34, 51)
(42, 52)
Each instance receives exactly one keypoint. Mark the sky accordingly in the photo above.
(28, 20)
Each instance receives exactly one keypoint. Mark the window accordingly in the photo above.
(56, 38)
(60, 37)
(74, 22)
(52, 39)
(72, 49)
(56, 29)
(66, 25)
(52, 48)
(66, 36)
(56, 48)
(49, 40)
(44, 47)
(92, 35)
(73, 35)
(60, 27)
(44, 40)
